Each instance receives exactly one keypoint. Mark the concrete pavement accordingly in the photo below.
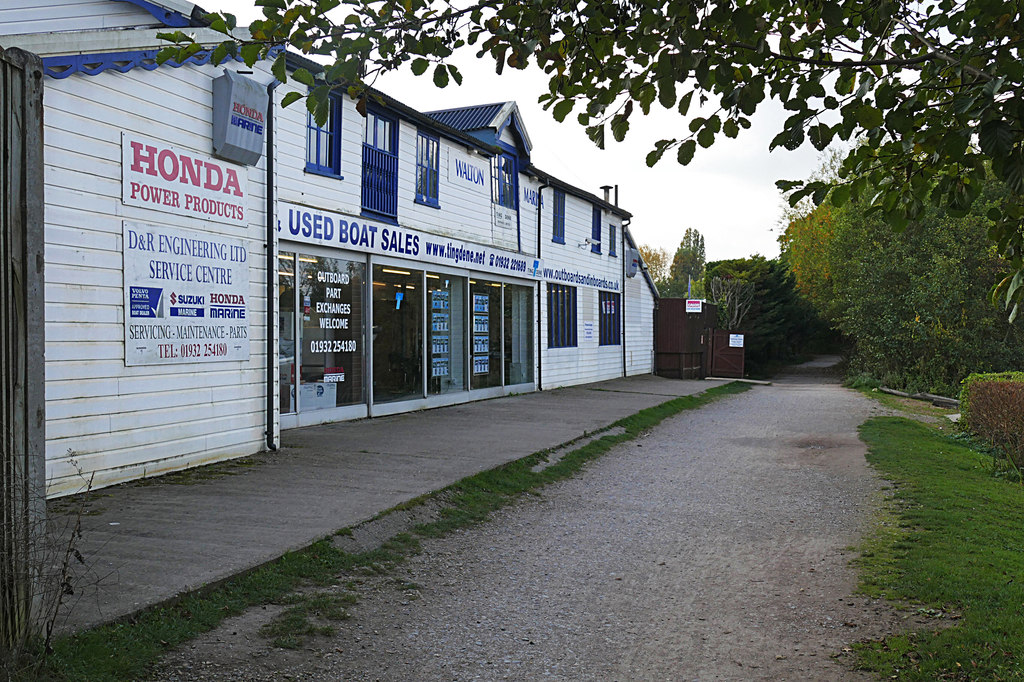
(149, 541)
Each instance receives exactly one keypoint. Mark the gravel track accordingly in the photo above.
(712, 548)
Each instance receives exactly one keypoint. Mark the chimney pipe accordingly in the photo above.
(607, 192)
(616, 194)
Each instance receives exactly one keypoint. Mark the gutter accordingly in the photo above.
(272, 367)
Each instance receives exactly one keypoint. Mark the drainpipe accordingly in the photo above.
(540, 371)
(622, 306)
(272, 368)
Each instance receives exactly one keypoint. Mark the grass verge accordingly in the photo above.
(129, 650)
(952, 546)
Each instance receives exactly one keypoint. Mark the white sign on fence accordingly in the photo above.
(694, 305)
(735, 340)
(184, 296)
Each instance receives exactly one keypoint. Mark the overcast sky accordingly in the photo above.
(727, 192)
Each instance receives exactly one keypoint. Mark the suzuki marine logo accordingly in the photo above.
(186, 299)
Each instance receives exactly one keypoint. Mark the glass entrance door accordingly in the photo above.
(518, 334)
(486, 340)
(446, 342)
(397, 333)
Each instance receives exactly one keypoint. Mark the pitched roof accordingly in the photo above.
(475, 117)
(495, 117)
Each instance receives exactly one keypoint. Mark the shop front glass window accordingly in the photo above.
(286, 330)
(397, 333)
(485, 345)
(331, 301)
(446, 342)
(518, 334)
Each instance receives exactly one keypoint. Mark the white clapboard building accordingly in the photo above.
(219, 267)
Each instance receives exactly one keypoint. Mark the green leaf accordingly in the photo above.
(165, 54)
(996, 138)
(840, 195)
(303, 76)
(667, 92)
(562, 109)
(706, 137)
(654, 156)
(820, 136)
(744, 23)
(219, 54)
(620, 126)
(868, 116)
(280, 68)
(686, 152)
(455, 74)
(684, 103)
(832, 14)
(290, 98)
(730, 128)
(440, 76)
(250, 53)
(419, 66)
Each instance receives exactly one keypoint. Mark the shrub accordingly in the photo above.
(992, 406)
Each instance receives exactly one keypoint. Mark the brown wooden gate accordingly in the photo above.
(682, 341)
(726, 357)
(22, 494)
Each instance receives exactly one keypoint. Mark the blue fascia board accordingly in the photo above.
(165, 16)
(62, 66)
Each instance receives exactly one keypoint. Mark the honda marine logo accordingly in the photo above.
(227, 299)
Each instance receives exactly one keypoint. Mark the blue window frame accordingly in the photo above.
(558, 218)
(428, 151)
(380, 165)
(611, 240)
(503, 171)
(595, 232)
(561, 316)
(323, 144)
(609, 318)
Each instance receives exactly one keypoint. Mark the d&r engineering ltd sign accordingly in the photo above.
(184, 296)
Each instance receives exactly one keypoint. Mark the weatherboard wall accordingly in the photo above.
(588, 361)
(33, 16)
(106, 419)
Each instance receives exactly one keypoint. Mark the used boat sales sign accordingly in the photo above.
(185, 296)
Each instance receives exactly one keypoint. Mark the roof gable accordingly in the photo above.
(487, 122)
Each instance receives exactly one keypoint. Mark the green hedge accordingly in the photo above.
(992, 407)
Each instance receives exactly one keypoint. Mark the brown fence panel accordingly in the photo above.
(22, 463)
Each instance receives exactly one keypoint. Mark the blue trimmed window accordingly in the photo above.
(558, 218)
(611, 240)
(380, 165)
(323, 144)
(561, 316)
(595, 232)
(609, 318)
(428, 152)
(503, 170)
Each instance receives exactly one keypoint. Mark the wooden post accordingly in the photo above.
(22, 416)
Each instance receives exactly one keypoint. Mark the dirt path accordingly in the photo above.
(714, 548)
